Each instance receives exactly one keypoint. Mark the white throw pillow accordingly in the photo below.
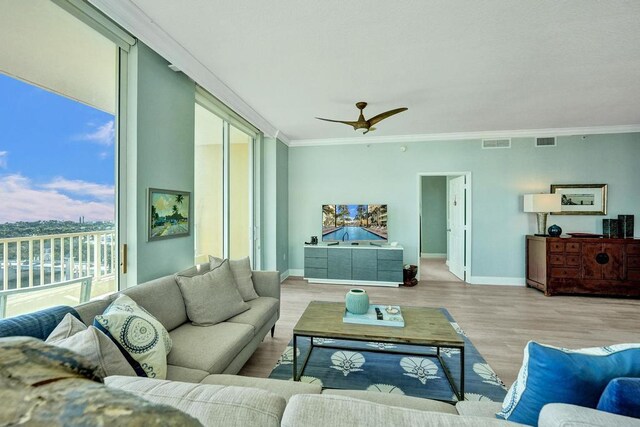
(140, 334)
(241, 269)
(92, 344)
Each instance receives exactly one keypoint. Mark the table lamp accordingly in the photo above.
(542, 204)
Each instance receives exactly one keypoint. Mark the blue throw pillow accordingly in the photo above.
(622, 397)
(557, 375)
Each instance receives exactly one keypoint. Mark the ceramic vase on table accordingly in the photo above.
(357, 301)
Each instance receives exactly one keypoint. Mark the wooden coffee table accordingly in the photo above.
(426, 327)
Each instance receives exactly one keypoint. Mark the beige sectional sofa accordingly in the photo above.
(200, 351)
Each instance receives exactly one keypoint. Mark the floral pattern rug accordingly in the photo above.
(352, 365)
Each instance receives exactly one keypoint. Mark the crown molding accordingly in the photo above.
(524, 133)
(126, 14)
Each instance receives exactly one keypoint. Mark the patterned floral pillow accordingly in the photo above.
(140, 336)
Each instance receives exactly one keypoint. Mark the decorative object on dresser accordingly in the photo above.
(625, 226)
(610, 228)
(597, 266)
(581, 199)
(541, 204)
(554, 231)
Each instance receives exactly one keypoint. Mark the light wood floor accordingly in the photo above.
(499, 320)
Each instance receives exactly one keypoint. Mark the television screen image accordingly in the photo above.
(349, 223)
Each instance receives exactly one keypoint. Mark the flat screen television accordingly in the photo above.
(354, 223)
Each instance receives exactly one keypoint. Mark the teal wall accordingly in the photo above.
(382, 173)
(160, 154)
(275, 225)
(282, 211)
(434, 215)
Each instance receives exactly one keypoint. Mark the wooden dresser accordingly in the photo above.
(558, 265)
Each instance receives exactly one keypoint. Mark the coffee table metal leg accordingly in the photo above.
(461, 373)
(295, 358)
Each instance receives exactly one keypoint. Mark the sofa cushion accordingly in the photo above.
(187, 375)
(262, 309)
(283, 388)
(208, 348)
(92, 344)
(478, 408)
(212, 297)
(89, 310)
(578, 376)
(562, 415)
(162, 299)
(140, 335)
(38, 324)
(212, 405)
(241, 269)
(397, 400)
(622, 397)
(312, 410)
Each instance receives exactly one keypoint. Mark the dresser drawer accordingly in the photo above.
(572, 247)
(633, 262)
(315, 262)
(391, 254)
(565, 273)
(633, 249)
(315, 273)
(556, 247)
(572, 260)
(633, 274)
(315, 252)
(389, 265)
(556, 259)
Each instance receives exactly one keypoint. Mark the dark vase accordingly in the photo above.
(554, 231)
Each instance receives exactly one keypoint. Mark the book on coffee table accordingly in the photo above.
(391, 316)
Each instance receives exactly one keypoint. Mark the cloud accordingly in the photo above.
(104, 135)
(81, 188)
(3, 159)
(22, 201)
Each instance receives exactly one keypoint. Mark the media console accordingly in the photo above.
(365, 265)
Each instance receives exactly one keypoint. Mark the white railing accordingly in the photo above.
(33, 261)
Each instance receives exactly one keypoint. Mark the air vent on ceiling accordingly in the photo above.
(549, 141)
(496, 143)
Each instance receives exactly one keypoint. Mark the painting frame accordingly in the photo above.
(581, 199)
(164, 224)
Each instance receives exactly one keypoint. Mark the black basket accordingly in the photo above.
(409, 275)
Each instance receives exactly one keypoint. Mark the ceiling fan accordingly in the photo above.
(366, 125)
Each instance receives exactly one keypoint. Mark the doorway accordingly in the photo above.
(445, 231)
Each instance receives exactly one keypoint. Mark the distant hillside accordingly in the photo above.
(41, 228)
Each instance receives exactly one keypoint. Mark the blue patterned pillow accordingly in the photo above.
(557, 375)
(142, 336)
(622, 397)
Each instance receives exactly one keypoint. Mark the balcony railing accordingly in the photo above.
(37, 261)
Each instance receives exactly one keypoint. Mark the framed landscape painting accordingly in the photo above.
(168, 214)
(581, 199)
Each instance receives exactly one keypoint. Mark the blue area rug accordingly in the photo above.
(354, 366)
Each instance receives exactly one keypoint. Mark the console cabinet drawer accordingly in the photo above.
(315, 262)
(556, 247)
(565, 273)
(390, 254)
(315, 252)
(390, 276)
(389, 265)
(315, 273)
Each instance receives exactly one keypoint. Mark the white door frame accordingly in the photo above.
(468, 203)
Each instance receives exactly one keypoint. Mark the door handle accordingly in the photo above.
(123, 258)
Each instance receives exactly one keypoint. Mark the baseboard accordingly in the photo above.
(296, 272)
(284, 276)
(432, 255)
(501, 281)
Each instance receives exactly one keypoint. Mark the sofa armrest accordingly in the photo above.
(212, 405)
(267, 283)
(563, 415)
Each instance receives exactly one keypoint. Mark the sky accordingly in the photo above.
(56, 156)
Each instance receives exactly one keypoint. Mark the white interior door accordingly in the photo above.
(456, 238)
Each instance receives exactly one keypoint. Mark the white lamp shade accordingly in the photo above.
(542, 203)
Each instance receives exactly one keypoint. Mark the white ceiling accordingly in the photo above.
(459, 66)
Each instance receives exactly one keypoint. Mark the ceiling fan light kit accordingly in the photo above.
(363, 125)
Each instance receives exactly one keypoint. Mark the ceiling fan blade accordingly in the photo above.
(339, 121)
(375, 119)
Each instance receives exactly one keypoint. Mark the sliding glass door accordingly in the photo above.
(224, 182)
